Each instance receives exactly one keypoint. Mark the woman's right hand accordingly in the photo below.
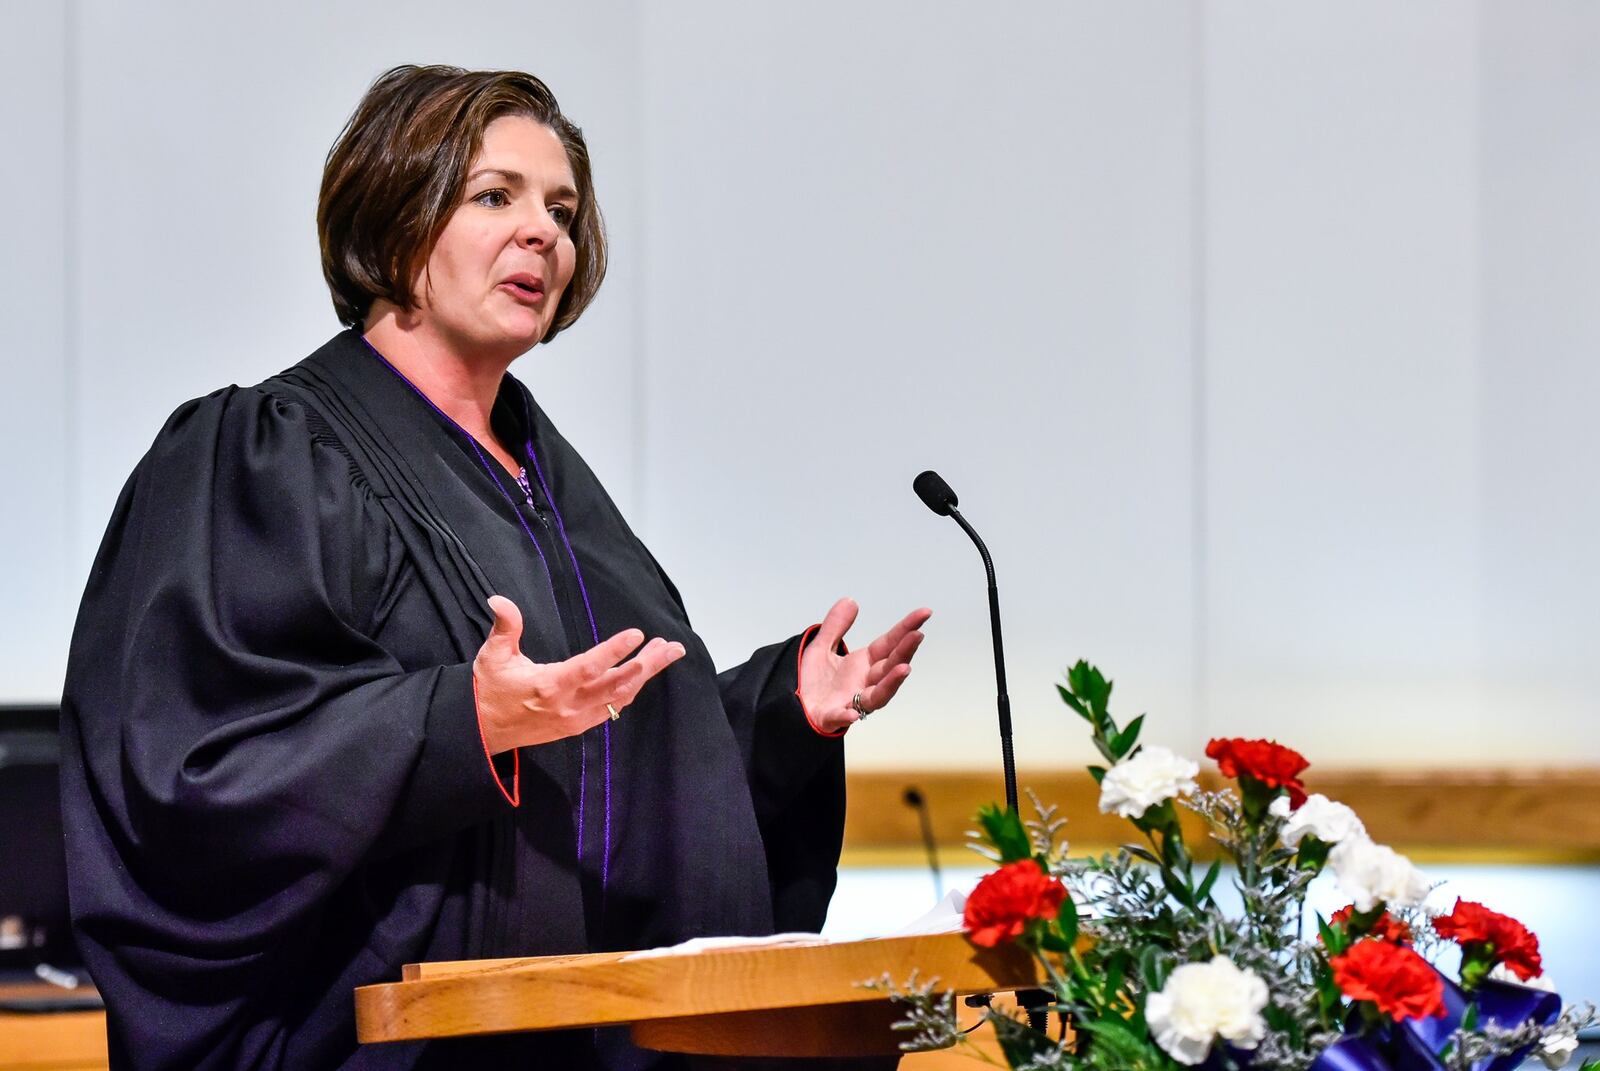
(522, 702)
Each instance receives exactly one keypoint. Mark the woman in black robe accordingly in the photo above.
(360, 675)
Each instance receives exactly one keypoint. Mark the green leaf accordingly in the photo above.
(1476, 963)
(1313, 854)
(1139, 852)
(1152, 969)
(1103, 745)
(1019, 1042)
(1078, 677)
(1209, 880)
(1361, 922)
(1333, 937)
(1075, 703)
(1068, 920)
(1179, 891)
(1098, 773)
(1124, 1048)
(1281, 1022)
(1092, 688)
(1328, 995)
(1469, 1018)
(1116, 970)
(1257, 797)
(1004, 830)
(1124, 741)
(1173, 851)
(1051, 941)
(1155, 819)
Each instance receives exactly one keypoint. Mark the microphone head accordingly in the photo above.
(911, 797)
(935, 493)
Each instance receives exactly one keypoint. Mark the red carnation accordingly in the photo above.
(1393, 977)
(1270, 763)
(1386, 928)
(1490, 937)
(1000, 907)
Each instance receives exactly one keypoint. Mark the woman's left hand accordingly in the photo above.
(830, 681)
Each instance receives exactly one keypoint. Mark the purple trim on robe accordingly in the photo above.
(594, 632)
(549, 577)
(583, 590)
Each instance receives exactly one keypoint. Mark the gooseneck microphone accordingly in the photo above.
(912, 797)
(937, 496)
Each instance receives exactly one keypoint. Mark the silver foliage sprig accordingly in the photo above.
(1044, 831)
(1467, 1047)
(930, 1015)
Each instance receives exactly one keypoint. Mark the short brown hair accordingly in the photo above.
(398, 170)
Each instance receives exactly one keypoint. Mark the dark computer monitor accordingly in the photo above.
(34, 922)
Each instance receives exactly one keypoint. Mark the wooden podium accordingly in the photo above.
(751, 1001)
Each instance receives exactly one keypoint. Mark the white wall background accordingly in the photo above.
(1259, 339)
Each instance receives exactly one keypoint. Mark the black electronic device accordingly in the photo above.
(35, 926)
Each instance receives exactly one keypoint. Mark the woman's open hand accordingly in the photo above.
(830, 681)
(522, 702)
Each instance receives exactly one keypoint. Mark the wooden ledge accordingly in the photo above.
(449, 1000)
(1529, 815)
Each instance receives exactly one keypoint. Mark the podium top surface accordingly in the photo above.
(605, 989)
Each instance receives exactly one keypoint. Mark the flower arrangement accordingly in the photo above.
(1153, 975)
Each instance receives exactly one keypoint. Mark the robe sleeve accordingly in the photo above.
(244, 744)
(796, 779)
(795, 773)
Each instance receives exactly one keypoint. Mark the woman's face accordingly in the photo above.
(492, 283)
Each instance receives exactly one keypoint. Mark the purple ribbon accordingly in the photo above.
(1500, 1004)
(1354, 1054)
(1415, 1044)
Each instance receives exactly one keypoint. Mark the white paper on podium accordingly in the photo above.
(943, 917)
(696, 945)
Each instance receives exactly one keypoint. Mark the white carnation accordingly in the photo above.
(1328, 821)
(1556, 1048)
(1203, 1001)
(1152, 776)
(1372, 873)
(1501, 973)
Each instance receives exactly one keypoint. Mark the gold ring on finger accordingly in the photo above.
(613, 712)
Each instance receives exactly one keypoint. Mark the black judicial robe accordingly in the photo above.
(273, 782)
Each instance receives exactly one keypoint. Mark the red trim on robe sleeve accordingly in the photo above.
(514, 797)
(805, 638)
